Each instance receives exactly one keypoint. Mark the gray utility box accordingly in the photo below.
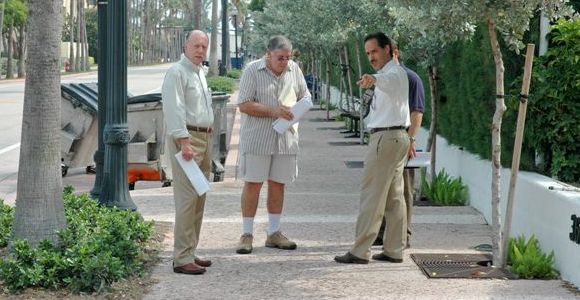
(146, 159)
(220, 132)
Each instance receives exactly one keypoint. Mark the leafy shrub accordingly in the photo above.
(6, 217)
(527, 260)
(221, 84)
(445, 190)
(552, 130)
(99, 246)
(234, 73)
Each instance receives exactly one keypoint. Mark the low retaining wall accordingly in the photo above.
(537, 210)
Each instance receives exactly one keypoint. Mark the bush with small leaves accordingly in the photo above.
(221, 84)
(99, 246)
(234, 73)
(6, 217)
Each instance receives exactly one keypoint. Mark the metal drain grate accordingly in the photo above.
(354, 164)
(459, 266)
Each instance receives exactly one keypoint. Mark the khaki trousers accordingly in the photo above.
(382, 195)
(188, 204)
(408, 182)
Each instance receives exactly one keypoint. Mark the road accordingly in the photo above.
(140, 80)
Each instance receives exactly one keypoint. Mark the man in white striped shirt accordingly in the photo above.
(268, 88)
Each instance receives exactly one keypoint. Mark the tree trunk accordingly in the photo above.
(83, 36)
(500, 108)
(2, 4)
(328, 88)
(197, 13)
(78, 38)
(144, 34)
(39, 211)
(84, 40)
(359, 66)
(348, 73)
(10, 52)
(213, 49)
(22, 51)
(432, 140)
(72, 58)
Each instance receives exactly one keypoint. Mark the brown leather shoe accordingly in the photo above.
(203, 262)
(190, 269)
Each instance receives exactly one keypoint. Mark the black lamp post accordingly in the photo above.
(225, 31)
(114, 191)
(235, 19)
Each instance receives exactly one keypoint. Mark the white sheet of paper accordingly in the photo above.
(421, 159)
(194, 174)
(298, 110)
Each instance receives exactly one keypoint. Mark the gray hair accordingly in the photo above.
(279, 42)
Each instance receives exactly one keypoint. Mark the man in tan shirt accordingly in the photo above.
(188, 117)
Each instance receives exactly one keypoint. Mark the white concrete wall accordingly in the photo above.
(334, 94)
(537, 210)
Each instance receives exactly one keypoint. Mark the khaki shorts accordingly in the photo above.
(260, 168)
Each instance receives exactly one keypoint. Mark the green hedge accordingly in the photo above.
(234, 73)
(467, 101)
(6, 218)
(221, 84)
(553, 123)
(99, 246)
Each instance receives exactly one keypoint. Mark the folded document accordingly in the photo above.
(298, 110)
(421, 159)
(194, 174)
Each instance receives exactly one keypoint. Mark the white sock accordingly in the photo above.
(273, 223)
(248, 225)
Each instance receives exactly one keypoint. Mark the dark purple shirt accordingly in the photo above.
(416, 91)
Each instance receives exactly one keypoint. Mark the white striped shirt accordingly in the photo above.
(259, 84)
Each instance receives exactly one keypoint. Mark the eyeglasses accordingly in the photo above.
(283, 58)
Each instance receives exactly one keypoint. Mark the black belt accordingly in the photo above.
(199, 129)
(373, 130)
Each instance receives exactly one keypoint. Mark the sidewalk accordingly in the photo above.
(320, 213)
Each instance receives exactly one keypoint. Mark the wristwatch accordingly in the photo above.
(412, 139)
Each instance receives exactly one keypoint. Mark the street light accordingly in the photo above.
(225, 37)
(235, 19)
(114, 190)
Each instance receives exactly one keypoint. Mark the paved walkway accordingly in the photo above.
(319, 214)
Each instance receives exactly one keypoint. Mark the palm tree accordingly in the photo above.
(39, 209)
(213, 51)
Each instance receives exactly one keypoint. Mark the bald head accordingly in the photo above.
(195, 48)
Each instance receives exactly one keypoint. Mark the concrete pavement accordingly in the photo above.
(319, 214)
